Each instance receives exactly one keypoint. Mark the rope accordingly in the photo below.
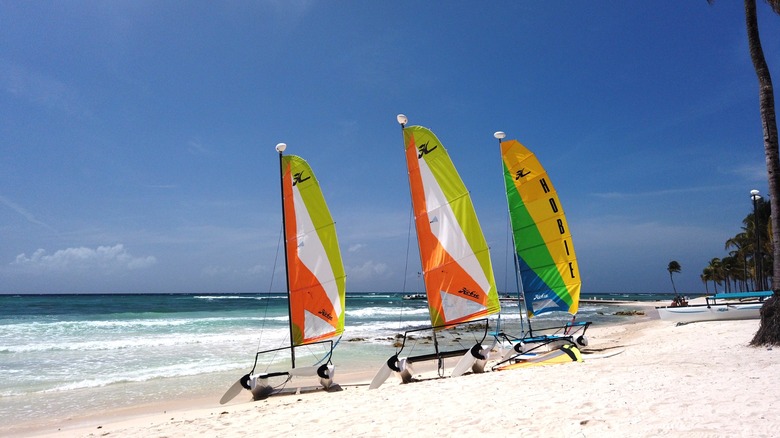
(406, 269)
(268, 299)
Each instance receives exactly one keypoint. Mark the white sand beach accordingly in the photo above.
(698, 379)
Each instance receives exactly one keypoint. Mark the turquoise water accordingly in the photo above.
(64, 354)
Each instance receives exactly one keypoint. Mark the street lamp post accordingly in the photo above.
(754, 195)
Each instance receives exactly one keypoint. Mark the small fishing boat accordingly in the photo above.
(414, 297)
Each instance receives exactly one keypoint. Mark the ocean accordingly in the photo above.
(65, 355)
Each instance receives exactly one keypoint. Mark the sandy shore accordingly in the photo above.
(691, 380)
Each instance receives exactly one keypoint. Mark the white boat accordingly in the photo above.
(315, 286)
(415, 297)
(455, 258)
(732, 306)
(545, 263)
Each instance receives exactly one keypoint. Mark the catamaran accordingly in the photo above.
(545, 261)
(316, 281)
(458, 274)
(732, 306)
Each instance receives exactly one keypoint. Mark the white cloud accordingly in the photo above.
(24, 213)
(368, 271)
(196, 147)
(356, 247)
(217, 271)
(655, 193)
(754, 172)
(40, 89)
(103, 258)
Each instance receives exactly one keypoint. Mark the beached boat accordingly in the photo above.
(457, 270)
(736, 305)
(316, 283)
(545, 262)
(415, 297)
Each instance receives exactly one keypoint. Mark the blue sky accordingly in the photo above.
(137, 137)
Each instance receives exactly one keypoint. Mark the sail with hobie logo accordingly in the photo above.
(316, 283)
(545, 264)
(455, 258)
(545, 252)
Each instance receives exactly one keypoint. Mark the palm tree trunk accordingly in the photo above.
(769, 331)
(769, 125)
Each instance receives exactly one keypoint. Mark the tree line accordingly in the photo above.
(748, 265)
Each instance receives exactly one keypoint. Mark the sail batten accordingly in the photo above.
(545, 253)
(315, 270)
(454, 254)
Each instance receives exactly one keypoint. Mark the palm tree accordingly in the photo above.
(742, 243)
(745, 242)
(716, 272)
(672, 268)
(706, 276)
(769, 331)
(729, 272)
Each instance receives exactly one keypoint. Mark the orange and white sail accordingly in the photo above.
(455, 257)
(315, 271)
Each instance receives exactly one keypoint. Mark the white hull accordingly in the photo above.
(715, 312)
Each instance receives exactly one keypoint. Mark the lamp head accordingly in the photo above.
(281, 147)
(500, 135)
(401, 119)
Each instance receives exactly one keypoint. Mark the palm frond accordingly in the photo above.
(774, 4)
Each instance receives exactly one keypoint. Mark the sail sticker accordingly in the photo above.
(457, 307)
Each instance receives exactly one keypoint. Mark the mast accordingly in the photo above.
(402, 120)
(500, 135)
(280, 148)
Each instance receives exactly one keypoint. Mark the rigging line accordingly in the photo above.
(507, 249)
(328, 355)
(268, 296)
(506, 252)
(515, 263)
(406, 265)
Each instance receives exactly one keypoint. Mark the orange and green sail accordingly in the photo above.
(455, 257)
(315, 270)
(545, 253)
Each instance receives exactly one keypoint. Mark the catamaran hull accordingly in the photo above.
(261, 389)
(563, 354)
(475, 360)
(394, 364)
(715, 312)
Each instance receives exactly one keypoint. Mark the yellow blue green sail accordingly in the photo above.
(314, 267)
(546, 260)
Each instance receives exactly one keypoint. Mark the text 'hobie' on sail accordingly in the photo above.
(316, 282)
(455, 258)
(543, 251)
